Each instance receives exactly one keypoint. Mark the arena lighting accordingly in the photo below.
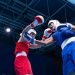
(8, 30)
(71, 1)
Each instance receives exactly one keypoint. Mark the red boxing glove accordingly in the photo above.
(37, 21)
(47, 33)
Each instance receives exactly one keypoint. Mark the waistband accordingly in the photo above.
(67, 41)
(23, 53)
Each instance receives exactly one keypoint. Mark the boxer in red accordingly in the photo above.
(27, 40)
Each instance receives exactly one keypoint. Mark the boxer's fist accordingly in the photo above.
(47, 33)
(37, 21)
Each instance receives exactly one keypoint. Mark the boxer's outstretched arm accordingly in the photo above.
(47, 41)
(34, 46)
(38, 20)
(37, 44)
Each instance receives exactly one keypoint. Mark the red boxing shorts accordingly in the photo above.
(22, 66)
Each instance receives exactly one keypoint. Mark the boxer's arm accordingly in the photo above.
(47, 41)
(26, 29)
(38, 20)
(40, 43)
(37, 44)
(34, 46)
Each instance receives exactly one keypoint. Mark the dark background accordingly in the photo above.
(17, 14)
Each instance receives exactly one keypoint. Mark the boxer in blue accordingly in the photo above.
(64, 37)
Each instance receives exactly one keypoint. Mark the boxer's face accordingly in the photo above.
(52, 26)
(32, 34)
